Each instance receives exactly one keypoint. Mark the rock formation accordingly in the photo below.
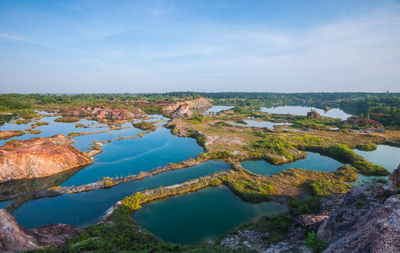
(395, 178)
(362, 123)
(13, 237)
(187, 108)
(5, 135)
(103, 113)
(313, 115)
(39, 157)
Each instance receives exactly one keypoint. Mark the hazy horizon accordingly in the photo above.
(202, 46)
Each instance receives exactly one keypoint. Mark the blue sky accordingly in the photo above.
(159, 46)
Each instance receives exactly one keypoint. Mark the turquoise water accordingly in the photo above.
(85, 208)
(303, 110)
(83, 142)
(385, 156)
(52, 128)
(255, 123)
(218, 108)
(4, 204)
(131, 156)
(200, 216)
(313, 161)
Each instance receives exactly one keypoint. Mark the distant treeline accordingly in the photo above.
(383, 107)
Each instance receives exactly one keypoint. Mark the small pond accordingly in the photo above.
(261, 124)
(201, 216)
(313, 161)
(303, 110)
(385, 156)
(217, 108)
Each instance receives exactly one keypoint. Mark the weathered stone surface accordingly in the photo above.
(39, 157)
(352, 209)
(186, 109)
(12, 236)
(313, 115)
(363, 123)
(376, 231)
(55, 234)
(310, 222)
(103, 113)
(395, 178)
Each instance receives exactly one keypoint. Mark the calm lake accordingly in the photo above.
(200, 216)
(303, 110)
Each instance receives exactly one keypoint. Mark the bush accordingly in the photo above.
(67, 119)
(304, 206)
(314, 243)
(370, 169)
(325, 188)
(347, 173)
(144, 125)
(367, 146)
(134, 201)
(339, 152)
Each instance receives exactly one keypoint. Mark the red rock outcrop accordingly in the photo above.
(187, 108)
(313, 115)
(39, 157)
(5, 135)
(103, 113)
(362, 123)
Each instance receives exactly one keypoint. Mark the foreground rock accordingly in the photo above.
(187, 108)
(13, 237)
(365, 219)
(39, 157)
(5, 135)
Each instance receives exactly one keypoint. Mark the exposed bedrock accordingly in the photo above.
(13, 237)
(39, 157)
(187, 108)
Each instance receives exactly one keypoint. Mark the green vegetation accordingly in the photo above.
(67, 119)
(344, 154)
(31, 131)
(370, 169)
(201, 139)
(325, 188)
(144, 125)
(37, 124)
(247, 187)
(304, 206)
(135, 201)
(314, 243)
(277, 227)
(22, 121)
(197, 118)
(367, 146)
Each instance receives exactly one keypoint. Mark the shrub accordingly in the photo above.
(144, 125)
(367, 146)
(347, 173)
(304, 206)
(325, 188)
(134, 201)
(67, 119)
(370, 169)
(314, 243)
